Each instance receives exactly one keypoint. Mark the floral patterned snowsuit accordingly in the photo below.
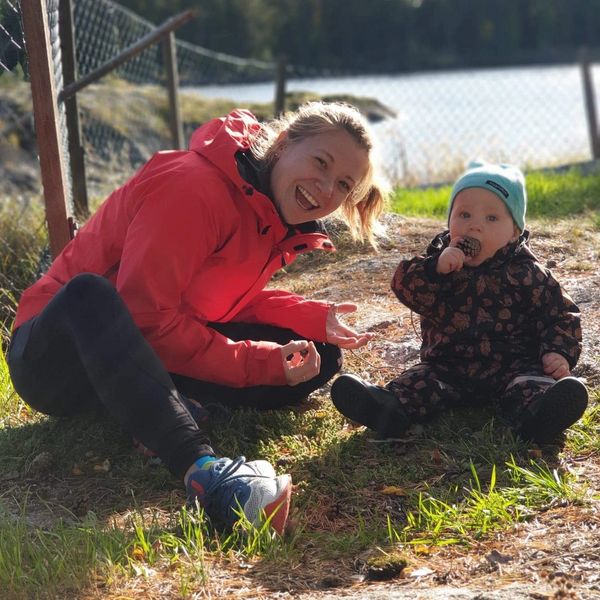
(484, 331)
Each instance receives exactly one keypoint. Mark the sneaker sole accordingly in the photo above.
(563, 404)
(279, 509)
(353, 400)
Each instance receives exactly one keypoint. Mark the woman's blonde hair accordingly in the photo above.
(363, 207)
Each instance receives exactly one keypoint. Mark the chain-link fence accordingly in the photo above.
(16, 117)
(124, 121)
(533, 116)
(22, 227)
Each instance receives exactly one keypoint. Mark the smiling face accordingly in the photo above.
(480, 214)
(315, 175)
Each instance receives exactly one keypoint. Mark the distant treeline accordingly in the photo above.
(388, 35)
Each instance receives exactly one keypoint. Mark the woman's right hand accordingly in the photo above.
(301, 361)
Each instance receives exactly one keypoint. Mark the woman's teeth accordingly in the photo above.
(306, 199)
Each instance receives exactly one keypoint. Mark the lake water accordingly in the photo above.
(533, 116)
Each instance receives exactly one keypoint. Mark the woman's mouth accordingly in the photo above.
(305, 199)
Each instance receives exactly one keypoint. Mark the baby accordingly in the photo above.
(496, 325)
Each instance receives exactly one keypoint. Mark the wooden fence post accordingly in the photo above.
(170, 59)
(590, 102)
(76, 153)
(280, 86)
(45, 110)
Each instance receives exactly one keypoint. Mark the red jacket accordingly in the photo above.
(187, 241)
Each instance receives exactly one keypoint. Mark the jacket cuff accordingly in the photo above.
(268, 365)
(430, 268)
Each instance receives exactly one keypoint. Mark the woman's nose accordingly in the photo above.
(325, 186)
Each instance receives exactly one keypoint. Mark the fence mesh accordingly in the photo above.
(123, 121)
(13, 71)
(22, 223)
(533, 116)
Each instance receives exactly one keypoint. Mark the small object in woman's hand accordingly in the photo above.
(302, 353)
(470, 246)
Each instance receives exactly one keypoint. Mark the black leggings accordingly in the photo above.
(84, 350)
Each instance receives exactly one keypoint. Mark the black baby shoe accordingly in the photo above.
(554, 410)
(369, 405)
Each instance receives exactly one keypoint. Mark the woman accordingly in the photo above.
(161, 295)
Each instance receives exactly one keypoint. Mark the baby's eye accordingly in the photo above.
(492, 218)
(321, 162)
(464, 214)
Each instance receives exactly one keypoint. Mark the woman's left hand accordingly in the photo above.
(339, 334)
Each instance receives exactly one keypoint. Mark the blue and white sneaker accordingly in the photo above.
(227, 487)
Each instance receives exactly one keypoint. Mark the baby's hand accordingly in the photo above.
(555, 365)
(451, 259)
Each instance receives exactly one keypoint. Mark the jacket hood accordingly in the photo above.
(517, 249)
(220, 139)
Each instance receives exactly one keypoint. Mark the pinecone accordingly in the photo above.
(470, 246)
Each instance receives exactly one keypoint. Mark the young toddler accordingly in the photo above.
(495, 324)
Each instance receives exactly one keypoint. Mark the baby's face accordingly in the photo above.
(480, 214)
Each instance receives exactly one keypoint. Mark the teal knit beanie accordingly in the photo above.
(506, 181)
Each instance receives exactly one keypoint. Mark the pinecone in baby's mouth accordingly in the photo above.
(470, 246)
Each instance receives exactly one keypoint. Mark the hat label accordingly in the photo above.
(502, 190)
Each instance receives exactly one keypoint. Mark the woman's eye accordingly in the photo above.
(321, 162)
(345, 186)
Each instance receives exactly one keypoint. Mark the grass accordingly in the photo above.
(551, 195)
(94, 519)
(22, 242)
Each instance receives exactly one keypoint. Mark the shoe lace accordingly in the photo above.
(218, 495)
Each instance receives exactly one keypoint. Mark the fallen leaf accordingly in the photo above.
(392, 490)
(137, 553)
(103, 467)
(436, 456)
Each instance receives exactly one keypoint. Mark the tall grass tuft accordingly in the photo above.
(484, 509)
(22, 242)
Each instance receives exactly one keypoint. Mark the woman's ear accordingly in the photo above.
(280, 143)
(275, 151)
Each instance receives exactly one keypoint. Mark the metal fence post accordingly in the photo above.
(45, 110)
(170, 57)
(590, 102)
(76, 152)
